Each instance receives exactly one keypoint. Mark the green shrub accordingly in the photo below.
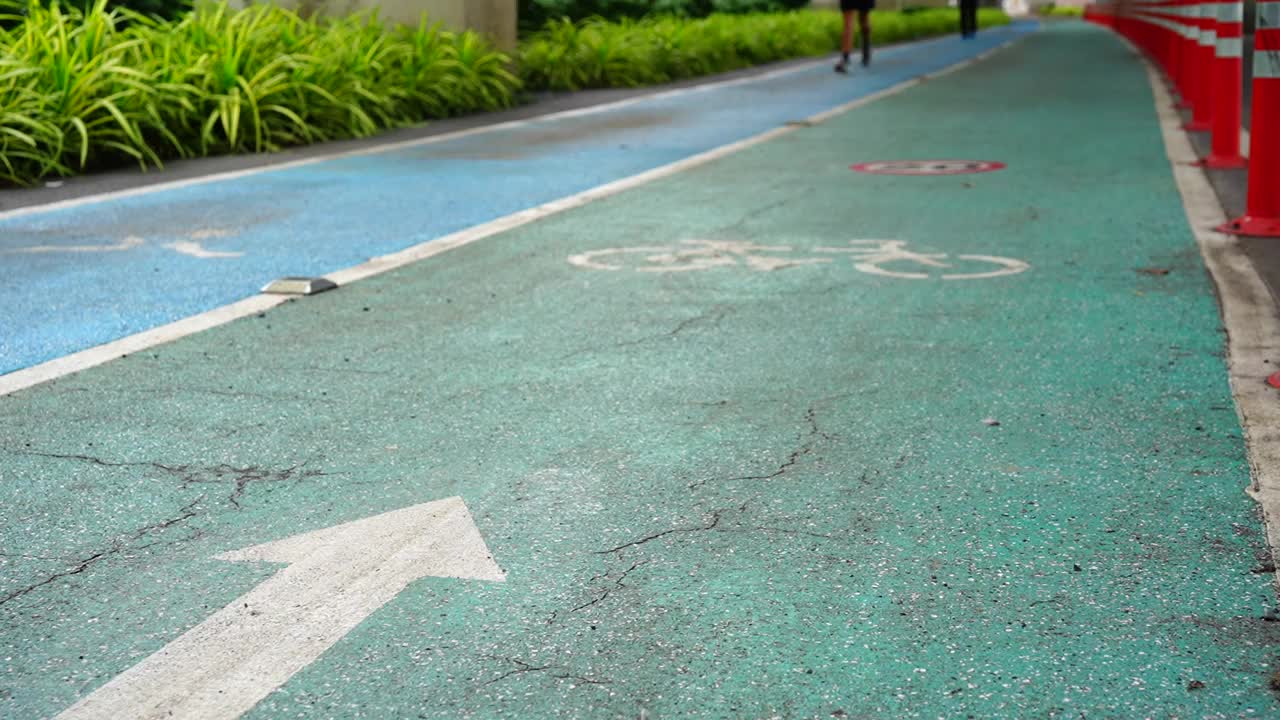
(535, 14)
(80, 90)
(595, 53)
(165, 9)
(1052, 10)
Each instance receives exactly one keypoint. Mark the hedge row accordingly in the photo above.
(87, 90)
(1052, 10)
(627, 53)
(535, 14)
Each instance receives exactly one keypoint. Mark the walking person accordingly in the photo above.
(968, 18)
(863, 9)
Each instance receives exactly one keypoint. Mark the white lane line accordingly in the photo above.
(1248, 312)
(417, 142)
(44, 372)
(100, 354)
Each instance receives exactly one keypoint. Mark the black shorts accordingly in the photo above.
(859, 5)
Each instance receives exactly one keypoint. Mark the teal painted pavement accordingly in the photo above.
(751, 490)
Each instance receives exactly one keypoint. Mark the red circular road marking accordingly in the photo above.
(928, 167)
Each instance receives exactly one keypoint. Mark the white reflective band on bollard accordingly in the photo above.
(1231, 12)
(1230, 48)
(1268, 15)
(1266, 64)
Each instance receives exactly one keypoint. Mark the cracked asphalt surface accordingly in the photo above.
(721, 492)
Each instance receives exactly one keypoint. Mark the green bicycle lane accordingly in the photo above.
(754, 483)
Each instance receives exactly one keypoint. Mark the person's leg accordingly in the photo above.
(846, 42)
(864, 31)
(968, 17)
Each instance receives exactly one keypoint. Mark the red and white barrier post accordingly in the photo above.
(1200, 73)
(1262, 204)
(1225, 96)
(1179, 13)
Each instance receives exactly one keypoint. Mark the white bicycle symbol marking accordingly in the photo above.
(868, 256)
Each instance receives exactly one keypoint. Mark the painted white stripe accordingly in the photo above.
(84, 359)
(1231, 12)
(1208, 38)
(1165, 23)
(1268, 14)
(1248, 311)
(1230, 47)
(76, 362)
(1266, 64)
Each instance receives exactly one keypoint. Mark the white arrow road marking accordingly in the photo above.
(126, 244)
(194, 249)
(335, 579)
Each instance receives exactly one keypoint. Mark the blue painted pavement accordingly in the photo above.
(86, 275)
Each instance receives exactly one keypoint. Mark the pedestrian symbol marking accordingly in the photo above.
(887, 258)
(336, 577)
(195, 249)
(127, 243)
(928, 167)
(192, 246)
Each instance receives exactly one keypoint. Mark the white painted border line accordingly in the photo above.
(44, 372)
(1253, 329)
(417, 142)
(75, 362)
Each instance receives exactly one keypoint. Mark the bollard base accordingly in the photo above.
(1222, 162)
(1201, 126)
(1255, 226)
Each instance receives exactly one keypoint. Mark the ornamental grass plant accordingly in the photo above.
(86, 89)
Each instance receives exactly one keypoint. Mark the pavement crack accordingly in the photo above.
(581, 679)
(522, 667)
(241, 478)
(715, 520)
(787, 531)
(617, 585)
(807, 444)
(191, 474)
(712, 316)
(94, 460)
(117, 546)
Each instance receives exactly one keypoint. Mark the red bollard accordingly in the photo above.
(1182, 51)
(1262, 206)
(1226, 91)
(1201, 59)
